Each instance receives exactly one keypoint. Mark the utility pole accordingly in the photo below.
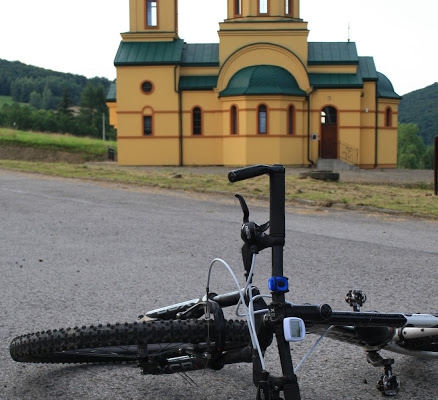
(103, 126)
(436, 165)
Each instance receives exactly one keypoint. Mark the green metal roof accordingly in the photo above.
(204, 54)
(367, 69)
(197, 82)
(262, 80)
(162, 53)
(207, 54)
(111, 95)
(385, 88)
(332, 53)
(149, 53)
(335, 80)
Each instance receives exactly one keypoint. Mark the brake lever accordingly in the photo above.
(244, 208)
(251, 233)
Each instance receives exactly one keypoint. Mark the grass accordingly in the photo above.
(55, 142)
(410, 201)
(416, 200)
(5, 100)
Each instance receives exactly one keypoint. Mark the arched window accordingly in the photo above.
(329, 115)
(151, 13)
(290, 120)
(197, 121)
(237, 7)
(147, 125)
(262, 119)
(289, 7)
(388, 116)
(234, 122)
(263, 6)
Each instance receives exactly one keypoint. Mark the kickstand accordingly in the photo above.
(388, 384)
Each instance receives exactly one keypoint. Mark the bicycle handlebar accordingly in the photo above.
(253, 171)
(277, 227)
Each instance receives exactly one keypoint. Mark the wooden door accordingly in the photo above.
(329, 141)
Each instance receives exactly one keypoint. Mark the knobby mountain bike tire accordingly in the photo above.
(114, 343)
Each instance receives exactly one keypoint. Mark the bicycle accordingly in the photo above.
(195, 335)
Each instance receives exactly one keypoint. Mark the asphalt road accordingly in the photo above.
(77, 253)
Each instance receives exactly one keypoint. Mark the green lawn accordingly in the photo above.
(56, 142)
(5, 100)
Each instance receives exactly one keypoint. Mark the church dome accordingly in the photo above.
(385, 88)
(262, 80)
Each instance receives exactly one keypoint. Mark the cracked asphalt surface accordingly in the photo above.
(81, 253)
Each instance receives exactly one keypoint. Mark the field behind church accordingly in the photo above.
(406, 192)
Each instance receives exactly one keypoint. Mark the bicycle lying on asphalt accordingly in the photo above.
(194, 335)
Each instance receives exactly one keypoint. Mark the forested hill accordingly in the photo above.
(420, 107)
(20, 80)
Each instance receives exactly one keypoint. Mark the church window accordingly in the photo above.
(237, 7)
(147, 125)
(263, 6)
(197, 121)
(151, 13)
(234, 121)
(388, 117)
(290, 120)
(147, 87)
(262, 119)
(329, 115)
(289, 7)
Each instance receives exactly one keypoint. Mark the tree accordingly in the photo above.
(428, 158)
(411, 148)
(35, 100)
(93, 105)
(47, 98)
(65, 104)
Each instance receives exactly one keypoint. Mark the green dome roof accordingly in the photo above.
(385, 88)
(262, 80)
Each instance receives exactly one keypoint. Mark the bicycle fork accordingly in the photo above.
(269, 387)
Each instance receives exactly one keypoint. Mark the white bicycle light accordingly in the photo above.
(294, 329)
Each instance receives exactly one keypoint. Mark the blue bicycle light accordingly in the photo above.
(278, 284)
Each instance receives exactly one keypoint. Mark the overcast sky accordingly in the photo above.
(82, 36)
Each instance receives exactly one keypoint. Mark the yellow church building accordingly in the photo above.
(263, 94)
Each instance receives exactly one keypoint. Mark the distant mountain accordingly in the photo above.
(421, 107)
(19, 80)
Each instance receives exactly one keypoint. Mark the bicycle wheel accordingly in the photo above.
(121, 342)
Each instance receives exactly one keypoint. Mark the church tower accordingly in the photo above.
(152, 20)
(263, 8)
(257, 21)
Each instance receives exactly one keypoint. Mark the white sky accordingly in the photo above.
(82, 36)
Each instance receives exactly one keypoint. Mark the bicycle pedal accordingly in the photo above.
(388, 385)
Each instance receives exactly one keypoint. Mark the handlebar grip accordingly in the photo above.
(227, 299)
(310, 312)
(253, 171)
